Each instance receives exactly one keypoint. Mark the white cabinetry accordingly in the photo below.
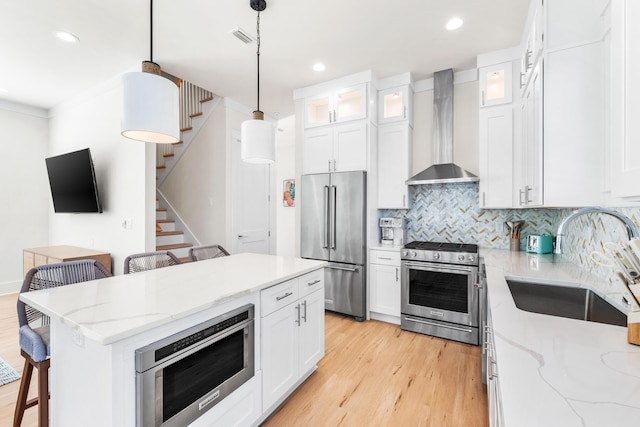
(496, 85)
(394, 148)
(530, 191)
(385, 282)
(496, 157)
(292, 334)
(395, 104)
(336, 106)
(335, 148)
(493, 381)
(625, 99)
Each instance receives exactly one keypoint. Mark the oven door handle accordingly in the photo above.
(440, 325)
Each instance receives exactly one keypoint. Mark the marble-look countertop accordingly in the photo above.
(555, 371)
(109, 310)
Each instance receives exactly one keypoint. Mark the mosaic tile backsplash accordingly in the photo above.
(451, 213)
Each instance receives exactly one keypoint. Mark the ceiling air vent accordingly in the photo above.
(242, 35)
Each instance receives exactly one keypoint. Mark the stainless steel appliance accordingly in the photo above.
(333, 226)
(440, 290)
(184, 375)
(391, 231)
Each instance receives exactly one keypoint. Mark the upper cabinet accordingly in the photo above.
(533, 42)
(625, 99)
(337, 106)
(395, 104)
(496, 84)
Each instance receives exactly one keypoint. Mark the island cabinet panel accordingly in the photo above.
(292, 337)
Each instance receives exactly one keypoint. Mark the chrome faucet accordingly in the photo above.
(632, 231)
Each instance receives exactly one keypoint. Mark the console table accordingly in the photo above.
(53, 254)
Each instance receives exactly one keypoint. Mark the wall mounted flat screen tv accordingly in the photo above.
(73, 183)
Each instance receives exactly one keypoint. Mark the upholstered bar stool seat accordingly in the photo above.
(34, 330)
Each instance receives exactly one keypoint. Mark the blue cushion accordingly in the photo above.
(35, 342)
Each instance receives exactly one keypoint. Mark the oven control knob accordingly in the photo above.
(405, 253)
(461, 257)
(436, 256)
(414, 254)
(471, 258)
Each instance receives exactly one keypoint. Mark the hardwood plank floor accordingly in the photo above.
(373, 374)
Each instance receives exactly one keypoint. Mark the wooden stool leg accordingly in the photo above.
(21, 404)
(43, 393)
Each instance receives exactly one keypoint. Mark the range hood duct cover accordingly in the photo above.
(443, 170)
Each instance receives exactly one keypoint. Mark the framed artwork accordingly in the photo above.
(289, 193)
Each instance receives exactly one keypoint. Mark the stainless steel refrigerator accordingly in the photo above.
(333, 222)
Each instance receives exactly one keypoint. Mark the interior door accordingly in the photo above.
(250, 200)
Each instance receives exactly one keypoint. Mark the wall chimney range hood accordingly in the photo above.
(443, 171)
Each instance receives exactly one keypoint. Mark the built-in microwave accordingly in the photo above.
(182, 376)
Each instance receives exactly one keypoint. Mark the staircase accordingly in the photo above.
(196, 104)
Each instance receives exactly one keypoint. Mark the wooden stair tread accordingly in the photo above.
(186, 129)
(207, 99)
(177, 143)
(161, 209)
(169, 233)
(161, 167)
(165, 220)
(173, 246)
(168, 155)
(195, 115)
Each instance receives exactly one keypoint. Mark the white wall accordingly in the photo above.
(25, 195)
(125, 173)
(285, 168)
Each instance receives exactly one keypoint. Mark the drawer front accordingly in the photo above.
(311, 282)
(385, 258)
(278, 296)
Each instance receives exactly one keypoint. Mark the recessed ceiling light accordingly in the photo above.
(319, 67)
(454, 24)
(68, 37)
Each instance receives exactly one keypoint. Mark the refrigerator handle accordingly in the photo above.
(325, 219)
(332, 218)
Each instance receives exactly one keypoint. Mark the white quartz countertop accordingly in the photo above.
(555, 371)
(109, 310)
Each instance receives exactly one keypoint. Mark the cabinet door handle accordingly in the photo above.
(381, 257)
(334, 165)
(484, 199)
(304, 316)
(397, 274)
(521, 80)
(527, 189)
(329, 165)
(313, 283)
(281, 297)
(404, 200)
(404, 112)
(520, 198)
(482, 98)
(298, 314)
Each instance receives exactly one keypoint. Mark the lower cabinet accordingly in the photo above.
(292, 334)
(385, 285)
(493, 382)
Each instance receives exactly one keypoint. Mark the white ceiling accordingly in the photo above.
(192, 40)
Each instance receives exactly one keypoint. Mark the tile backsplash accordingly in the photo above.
(451, 213)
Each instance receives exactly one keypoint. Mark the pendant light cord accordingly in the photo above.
(151, 32)
(258, 55)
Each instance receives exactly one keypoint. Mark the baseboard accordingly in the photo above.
(10, 287)
(385, 318)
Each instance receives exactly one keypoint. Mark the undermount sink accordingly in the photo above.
(563, 301)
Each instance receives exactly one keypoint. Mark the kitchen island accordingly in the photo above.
(554, 371)
(97, 326)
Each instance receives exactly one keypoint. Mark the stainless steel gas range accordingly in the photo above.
(440, 290)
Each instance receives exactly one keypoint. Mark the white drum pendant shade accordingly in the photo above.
(151, 108)
(257, 142)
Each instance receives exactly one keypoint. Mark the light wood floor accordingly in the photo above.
(373, 374)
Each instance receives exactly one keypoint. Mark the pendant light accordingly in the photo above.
(257, 137)
(150, 107)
